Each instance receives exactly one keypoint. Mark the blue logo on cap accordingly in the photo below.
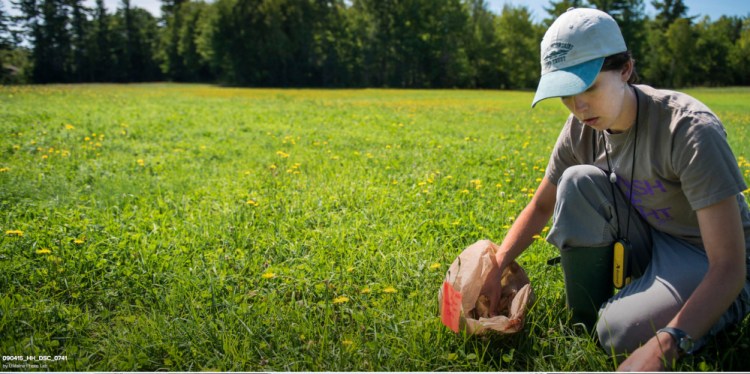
(557, 53)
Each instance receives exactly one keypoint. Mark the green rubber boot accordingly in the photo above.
(588, 281)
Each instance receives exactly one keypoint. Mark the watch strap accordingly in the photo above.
(684, 342)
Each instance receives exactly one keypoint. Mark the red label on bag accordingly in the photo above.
(450, 309)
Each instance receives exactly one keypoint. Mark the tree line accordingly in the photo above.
(348, 43)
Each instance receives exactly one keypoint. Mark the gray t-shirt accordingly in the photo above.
(683, 162)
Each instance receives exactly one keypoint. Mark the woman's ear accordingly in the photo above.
(627, 70)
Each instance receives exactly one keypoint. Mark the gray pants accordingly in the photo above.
(671, 268)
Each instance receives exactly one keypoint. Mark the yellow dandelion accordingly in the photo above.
(365, 290)
(435, 266)
(79, 241)
(340, 300)
(390, 289)
(4, 170)
(43, 251)
(537, 237)
(14, 233)
(140, 162)
(69, 127)
(282, 154)
(268, 275)
(86, 139)
(252, 202)
(464, 191)
(347, 342)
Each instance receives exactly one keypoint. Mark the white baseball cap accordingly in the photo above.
(573, 51)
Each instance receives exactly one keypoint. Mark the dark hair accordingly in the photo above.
(618, 61)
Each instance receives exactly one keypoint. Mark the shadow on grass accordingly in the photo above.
(544, 346)
(727, 351)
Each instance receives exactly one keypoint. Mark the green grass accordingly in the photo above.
(191, 227)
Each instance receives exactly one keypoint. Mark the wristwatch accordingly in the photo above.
(685, 343)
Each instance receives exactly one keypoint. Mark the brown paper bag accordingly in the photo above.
(467, 275)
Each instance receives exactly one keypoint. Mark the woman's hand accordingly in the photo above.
(529, 223)
(657, 354)
(492, 288)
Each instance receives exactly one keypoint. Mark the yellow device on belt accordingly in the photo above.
(620, 264)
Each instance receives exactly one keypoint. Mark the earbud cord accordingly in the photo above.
(613, 177)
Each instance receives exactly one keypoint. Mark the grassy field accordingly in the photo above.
(193, 227)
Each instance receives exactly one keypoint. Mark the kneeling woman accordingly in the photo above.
(650, 173)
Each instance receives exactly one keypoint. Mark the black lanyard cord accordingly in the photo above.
(613, 177)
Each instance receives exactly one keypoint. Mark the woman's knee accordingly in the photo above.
(634, 315)
(578, 173)
(580, 182)
(613, 335)
(622, 332)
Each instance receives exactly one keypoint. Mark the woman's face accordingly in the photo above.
(609, 104)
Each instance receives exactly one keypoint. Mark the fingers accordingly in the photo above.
(494, 299)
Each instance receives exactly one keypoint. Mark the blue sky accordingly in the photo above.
(712, 8)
